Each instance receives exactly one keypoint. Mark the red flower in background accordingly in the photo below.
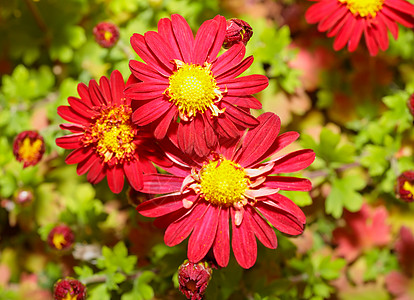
(405, 186)
(106, 141)
(233, 184)
(401, 284)
(348, 20)
(182, 77)
(106, 34)
(364, 229)
(237, 31)
(61, 237)
(28, 148)
(69, 289)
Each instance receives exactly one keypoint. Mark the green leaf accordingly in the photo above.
(117, 259)
(99, 292)
(375, 159)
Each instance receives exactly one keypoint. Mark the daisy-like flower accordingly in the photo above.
(349, 19)
(106, 141)
(183, 79)
(61, 237)
(232, 184)
(69, 289)
(28, 147)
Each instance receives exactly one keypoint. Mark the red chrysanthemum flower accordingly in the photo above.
(231, 183)
(106, 141)
(28, 147)
(182, 78)
(106, 34)
(69, 289)
(61, 237)
(349, 19)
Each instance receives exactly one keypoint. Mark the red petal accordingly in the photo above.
(184, 37)
(243, 242)
(200, 146)
(261, 228)
(218, 41)
(69, 114)
(235, 71)
(81, 108)
(180, 229)
(160, 49)
(70, 141)
(240, 117)
(226, 128)
(106, 90)
(320, 10)
(391, 25)
(146, 90)
(221, 245)
(228, 59)
(166, 31)
(162, 127)
(86, 164)
(204, 40)
(244, 101)
(331, 19)
(288, 183)
(83, 92)
(133, 172)
(150, 112)
(117, 87)
(161, 183)
(245, 85)
(203, 234)
(402, 18)
(96, 95)
(279, 219)
(96, 172)
(344, 34)
(402, 6)
(259, 139)
(78, 155)
(294, 161)
(284, 203)
(370, 40)
(74, 128)
(356, 36)
(161, 206)
(115, 177)
(144, 72)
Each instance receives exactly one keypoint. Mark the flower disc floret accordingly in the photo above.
(113, 134)
(193, 88)
(363, 8)
(29, 150)
(223, 182)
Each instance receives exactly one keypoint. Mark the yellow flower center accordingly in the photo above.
(193, 89)
(409, 187)
(364, 8)
(113, 134)
(223, 182)
(58, 240)
(29, 150)
(70, 297)
(108, 35)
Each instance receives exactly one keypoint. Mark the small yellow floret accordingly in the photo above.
(223, 182)
(113, 134)
(364, 8)
(28, 150)
(193, 89)
(409, 187)
(58, 240)
(108, 35)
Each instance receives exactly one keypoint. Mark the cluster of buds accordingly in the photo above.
(237, 31)
(193, 279)
(405, 186)
(61, 237)
(106, 34)
(28, 148)
(69, 289)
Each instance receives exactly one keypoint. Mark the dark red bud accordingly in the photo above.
(69, 289)
(193, 279)
(28, 147)
(405, 186)
(61, 237)
(106, 34)
(237, 31)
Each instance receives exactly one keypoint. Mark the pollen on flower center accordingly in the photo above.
(193, 89)
(29, 150)
(223, 182)
(409, 187)
(363, 8)
(112, 134)
(58, 240)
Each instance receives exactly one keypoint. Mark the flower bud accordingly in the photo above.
(61, 237)
(411, 104)
(106, 34)
(28, 147)
(237, 31)
(69, 289)
(405, 186)
(193, 279)
(24, 197)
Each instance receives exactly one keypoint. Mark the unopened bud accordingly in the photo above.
(237, 31)
(69, 289)
(193, 279)
(24, 197)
